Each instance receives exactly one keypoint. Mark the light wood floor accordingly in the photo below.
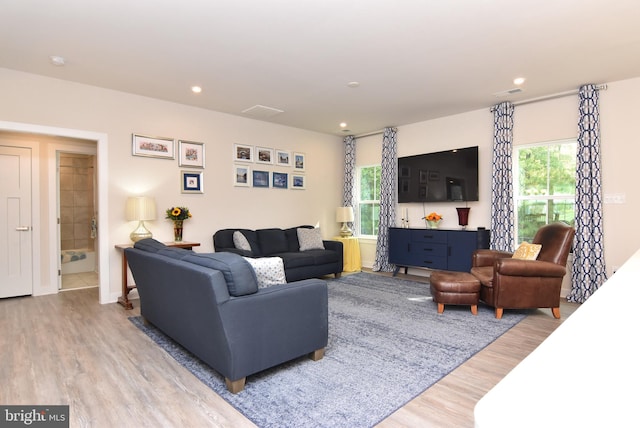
(69, 349)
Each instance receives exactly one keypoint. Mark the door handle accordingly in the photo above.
(23, 228)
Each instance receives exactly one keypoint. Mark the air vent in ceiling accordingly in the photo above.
(262, 112)
(508, 92)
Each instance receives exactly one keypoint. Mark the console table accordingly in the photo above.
(126, 287)
(435, 248)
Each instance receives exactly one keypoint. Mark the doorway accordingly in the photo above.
(45, 243)
(77, 220)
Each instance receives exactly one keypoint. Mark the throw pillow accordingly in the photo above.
(527, 251)
(310, 239)
(240, 241)
(269, 270)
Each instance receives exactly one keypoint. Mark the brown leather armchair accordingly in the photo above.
(515, 283)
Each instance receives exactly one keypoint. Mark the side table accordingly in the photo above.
(352, 261)
(126, 287)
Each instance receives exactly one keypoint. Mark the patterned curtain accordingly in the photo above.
(588, 270)
(502, 214)
(348, 199)
(388, 192)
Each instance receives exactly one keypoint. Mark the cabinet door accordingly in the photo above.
(462, 244)
(399, 246)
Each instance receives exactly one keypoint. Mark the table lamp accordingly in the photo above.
(140, 208)
(344, 215)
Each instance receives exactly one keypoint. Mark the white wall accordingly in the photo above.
(536, 122)
(33, 99)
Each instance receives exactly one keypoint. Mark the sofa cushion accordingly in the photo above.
(240, 241)
(296, 259)
(269, 270)
(240, 277)
(272, 241)
(310, 239)
(175, 253)
(150, 245)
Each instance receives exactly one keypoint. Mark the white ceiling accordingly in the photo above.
(414, 59)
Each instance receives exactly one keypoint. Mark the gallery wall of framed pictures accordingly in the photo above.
(190, 155)
(265, 167)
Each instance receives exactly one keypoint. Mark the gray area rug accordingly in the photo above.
(387, 344)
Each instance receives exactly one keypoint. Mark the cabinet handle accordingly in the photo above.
(23, 228)
(427, 249)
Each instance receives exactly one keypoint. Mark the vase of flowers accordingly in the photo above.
(433, 220)
(178, 215)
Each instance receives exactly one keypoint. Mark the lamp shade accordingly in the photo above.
(141, 208)
(344, 214)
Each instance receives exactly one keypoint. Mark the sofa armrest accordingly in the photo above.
(525, 268)
(333, 245)
(484, 257)
(276, 324)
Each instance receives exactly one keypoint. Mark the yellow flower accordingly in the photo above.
(178, 213)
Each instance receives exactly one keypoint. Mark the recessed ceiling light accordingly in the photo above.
(518, 80)
(343, 125)
(196, 89)
(353, 84)
(56, 60)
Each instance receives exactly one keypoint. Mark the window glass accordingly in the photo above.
(544, 185)
(368, 200)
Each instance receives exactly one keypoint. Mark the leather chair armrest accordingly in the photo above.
(484, 257)
(518, 267)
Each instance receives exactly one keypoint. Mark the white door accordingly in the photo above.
(16, 272)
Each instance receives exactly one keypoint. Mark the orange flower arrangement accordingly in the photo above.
(434, 216)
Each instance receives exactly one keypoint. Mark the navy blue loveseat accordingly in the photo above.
(284, 243)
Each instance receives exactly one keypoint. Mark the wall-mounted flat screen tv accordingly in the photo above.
(447, 176)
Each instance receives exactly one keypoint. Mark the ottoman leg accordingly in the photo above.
(440, 308)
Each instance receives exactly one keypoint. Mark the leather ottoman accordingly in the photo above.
(454, 288)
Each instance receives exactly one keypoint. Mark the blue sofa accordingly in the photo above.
(283, 243)
(212, 306)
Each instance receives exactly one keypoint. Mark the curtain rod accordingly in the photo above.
(369, 134)
(602, 87)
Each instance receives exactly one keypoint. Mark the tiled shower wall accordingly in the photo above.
(76, 200)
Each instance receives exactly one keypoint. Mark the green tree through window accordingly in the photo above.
(545, 185)
(368, 200)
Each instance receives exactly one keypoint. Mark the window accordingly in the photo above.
(368, 200)
(544, 186)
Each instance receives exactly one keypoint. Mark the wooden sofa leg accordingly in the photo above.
(235, 386)
(317, 354)
(440, 308)
(338, 274)
(474, 309)
(556, 313)
(499, 313)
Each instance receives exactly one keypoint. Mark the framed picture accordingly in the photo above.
(264, 155)
(241, 175)
(191, 154)
(283, 157)
(191, 181)
(242, 153)
(299, 161)
(153, 147)
(280, 180)
(260, 179)
(298, 181)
